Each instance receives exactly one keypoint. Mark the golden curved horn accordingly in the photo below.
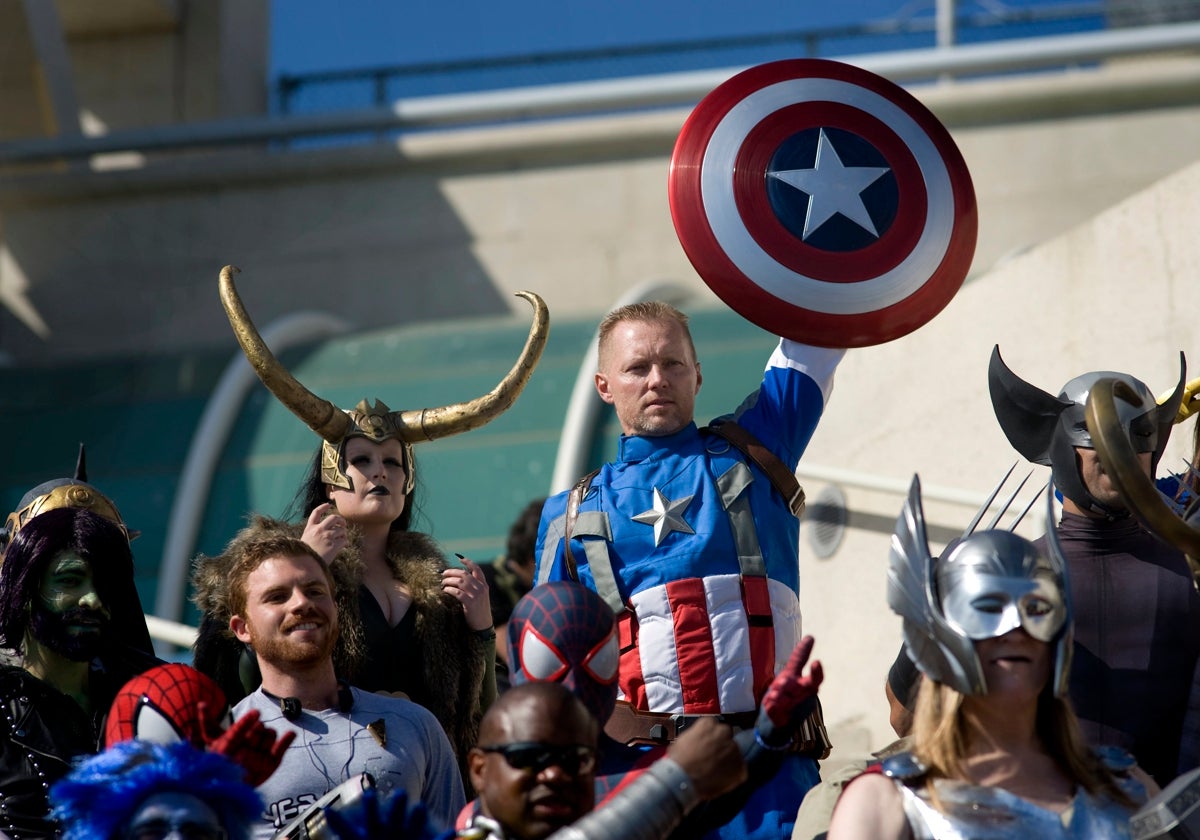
(322, 416)
(1121, 464)
(1191, 400)
(433, 423)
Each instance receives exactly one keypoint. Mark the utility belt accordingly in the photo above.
(635, 727)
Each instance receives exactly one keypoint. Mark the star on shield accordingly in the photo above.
(833, 188)
(666, 516)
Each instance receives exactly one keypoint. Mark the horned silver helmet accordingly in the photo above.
(982, 586)
(1047, 430)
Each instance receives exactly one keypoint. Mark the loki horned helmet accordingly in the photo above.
(57, 493)
(378, 422)
(982, 586)
(1046, 429)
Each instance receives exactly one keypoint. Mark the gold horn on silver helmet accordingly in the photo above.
(1137, 489)
(377, 422)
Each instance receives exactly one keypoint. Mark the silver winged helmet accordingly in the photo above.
(983, 585)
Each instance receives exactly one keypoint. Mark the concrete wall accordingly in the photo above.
(1115, 293)
(134, 63)
(448, 224)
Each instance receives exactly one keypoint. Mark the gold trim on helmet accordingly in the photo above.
(378, 422)
(375, 423)
(65, 496)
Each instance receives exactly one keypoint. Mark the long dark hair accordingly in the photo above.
(312, 494)
(97, 540)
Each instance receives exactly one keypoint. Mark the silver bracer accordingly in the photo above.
(649, 808)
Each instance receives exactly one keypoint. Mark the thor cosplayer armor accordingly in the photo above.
(1047, 430)
(982, 586)
(378, 422)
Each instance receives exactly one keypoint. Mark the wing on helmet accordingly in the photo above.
(927, 637)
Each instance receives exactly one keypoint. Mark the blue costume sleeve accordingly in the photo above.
(783, 413)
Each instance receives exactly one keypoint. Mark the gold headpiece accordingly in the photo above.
(378, 422)
(72, 495)
(375, 423)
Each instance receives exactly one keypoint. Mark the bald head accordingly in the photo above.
(534, 766)
(509, 718)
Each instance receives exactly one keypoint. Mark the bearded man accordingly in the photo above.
(281, 605)
(67, 596)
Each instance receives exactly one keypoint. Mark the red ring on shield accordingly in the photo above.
(893, 279)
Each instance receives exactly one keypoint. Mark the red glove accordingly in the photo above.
(791, 686)
(252, 744)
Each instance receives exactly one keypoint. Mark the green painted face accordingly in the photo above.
(67, 585)
(68, 616)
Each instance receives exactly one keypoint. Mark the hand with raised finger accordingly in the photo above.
(785, 701)
(325, 531)
(470, 587)
(255, 746)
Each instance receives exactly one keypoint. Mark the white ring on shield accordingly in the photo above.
(800, 290)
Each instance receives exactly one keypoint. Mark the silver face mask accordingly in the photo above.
(985, 604)
(983, 585)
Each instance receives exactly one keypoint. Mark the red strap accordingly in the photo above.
(756, 597)
(694, 646)
(629, 671)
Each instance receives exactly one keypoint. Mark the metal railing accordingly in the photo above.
(609, 96)
(908, 29)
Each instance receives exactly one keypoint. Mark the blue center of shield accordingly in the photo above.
(832, 189)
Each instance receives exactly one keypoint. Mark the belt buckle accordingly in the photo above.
(680, 723)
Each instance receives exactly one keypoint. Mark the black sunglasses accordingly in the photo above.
(157, 829)
(573, 759)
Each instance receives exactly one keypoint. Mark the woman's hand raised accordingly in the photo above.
(470, 587)
(325, 531)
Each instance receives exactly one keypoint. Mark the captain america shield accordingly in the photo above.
(823, 203)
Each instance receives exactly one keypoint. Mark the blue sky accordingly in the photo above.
(312, 36)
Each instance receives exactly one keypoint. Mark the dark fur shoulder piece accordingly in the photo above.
(454, 657)
(217, 652)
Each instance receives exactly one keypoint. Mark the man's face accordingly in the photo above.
(182, 814)
(532, 803)
(67, 616)
(650, 375)
(290, 618)
(1098, 482)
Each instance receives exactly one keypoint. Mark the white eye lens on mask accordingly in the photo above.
(601, 663)
(540, 659)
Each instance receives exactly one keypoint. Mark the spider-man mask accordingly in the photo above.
(563, 632)
(163, 705)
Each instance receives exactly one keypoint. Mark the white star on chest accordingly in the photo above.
(666, 516)
(832, 188)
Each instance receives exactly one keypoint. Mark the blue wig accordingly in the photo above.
(98, 797)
